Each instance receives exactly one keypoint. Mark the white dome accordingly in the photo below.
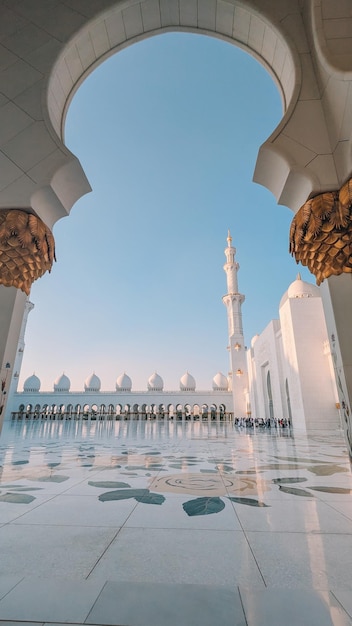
(220, 382)
(155, 383)
(123, 383)
(62, 383)
(187, 382)
(300, 289)
(92, 383)
(32, 383)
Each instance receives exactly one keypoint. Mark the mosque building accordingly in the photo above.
(286, 374)
(290, 364)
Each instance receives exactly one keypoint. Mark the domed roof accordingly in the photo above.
(92, 383)
(187, 382)
(220, 382)
(155, 383)
(62, 383)
(32, 383)
(300, 289)
(123, 383)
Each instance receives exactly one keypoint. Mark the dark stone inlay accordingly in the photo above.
(343, 490)
(248, 501)
(296, 492)
(296, 479)
(108, 484)
(17, 498)
(203, 506)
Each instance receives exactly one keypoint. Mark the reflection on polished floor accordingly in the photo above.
(141, 523)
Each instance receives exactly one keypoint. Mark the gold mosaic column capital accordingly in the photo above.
(27, 249)
(321, 233)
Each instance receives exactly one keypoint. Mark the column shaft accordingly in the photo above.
(12, 306)
(337, 300)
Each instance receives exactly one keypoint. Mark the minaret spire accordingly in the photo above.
(233, 301)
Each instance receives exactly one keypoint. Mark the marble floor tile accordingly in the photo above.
(344, 597)
(80, 511)
(41, 600)
(302, 515)
(146, 604)
(7, 583)
(294, 607)
(50, 551)
(12, 511)
(299, 560)
(343, 507)
(221, 558)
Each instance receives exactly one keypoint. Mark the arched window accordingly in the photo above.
(188, 411)
(179, 409)
(270, 396)
(196, 411)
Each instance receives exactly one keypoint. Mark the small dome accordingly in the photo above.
(123, 383)
(220, 382)
(300, 289)
(155, 383)
(92, 383)
(187, 382)
(31, 384)
(62, 383)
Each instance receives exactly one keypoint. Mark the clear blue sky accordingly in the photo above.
(167, 132)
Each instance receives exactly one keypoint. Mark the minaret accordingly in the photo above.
(233, 302)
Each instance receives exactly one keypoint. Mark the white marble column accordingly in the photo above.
(337, 300)
(12, 306)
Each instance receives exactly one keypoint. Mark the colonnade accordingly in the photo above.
(118, 413)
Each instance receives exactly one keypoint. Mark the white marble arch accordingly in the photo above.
(48, 48)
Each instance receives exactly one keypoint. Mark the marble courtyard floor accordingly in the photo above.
(139, 523)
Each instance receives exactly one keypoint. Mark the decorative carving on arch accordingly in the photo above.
(27, 249)
(321, 233)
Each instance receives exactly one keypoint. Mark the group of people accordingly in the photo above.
(250, 422)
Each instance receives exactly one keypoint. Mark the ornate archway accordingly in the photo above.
(46, 60)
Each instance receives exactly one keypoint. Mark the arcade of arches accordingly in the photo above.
(119, 411)
(48, 49)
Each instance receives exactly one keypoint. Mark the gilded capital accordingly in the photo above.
(27, 249)
(321, 233)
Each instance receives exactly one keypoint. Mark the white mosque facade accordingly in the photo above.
(290, 364)
(286, 374)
